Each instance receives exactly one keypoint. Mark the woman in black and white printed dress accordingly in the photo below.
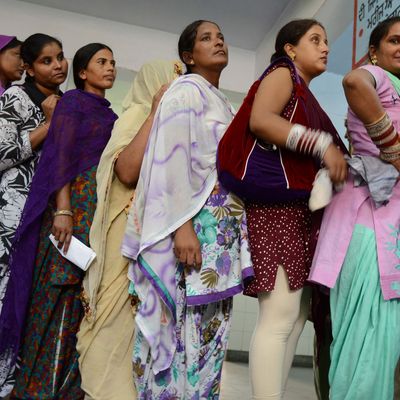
(25, 114)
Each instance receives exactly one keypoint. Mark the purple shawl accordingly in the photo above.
(4, 40)
(80, 129)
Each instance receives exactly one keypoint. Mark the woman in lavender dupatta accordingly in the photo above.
(186, 235)
(25, 115)
(11, 64)
(62, 201)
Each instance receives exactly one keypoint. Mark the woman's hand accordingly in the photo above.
(49, 105)
(62, 231)
(396, 164)
(157, 98)
(186, 246)
(38, 135)
(336, 164)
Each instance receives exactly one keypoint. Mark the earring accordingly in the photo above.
(292, 56)
(192, 62)
(374, 60)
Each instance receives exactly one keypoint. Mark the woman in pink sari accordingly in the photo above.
(358, 249)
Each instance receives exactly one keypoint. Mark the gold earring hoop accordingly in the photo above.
(374, 60)
(292, 56)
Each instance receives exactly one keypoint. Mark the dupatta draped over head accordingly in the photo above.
(80, 129)
(136, 108)
(4, 40)
(177, 176)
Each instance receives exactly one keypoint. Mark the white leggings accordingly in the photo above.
(281, 319)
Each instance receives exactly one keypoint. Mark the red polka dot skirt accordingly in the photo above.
(279, 234)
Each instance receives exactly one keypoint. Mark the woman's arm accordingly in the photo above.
(63, 224)
(38, 135)
(127, 166)
(15, 146)
(359, 87)
(266, 122)
(16, 143)
(361, 95)
(271, 98)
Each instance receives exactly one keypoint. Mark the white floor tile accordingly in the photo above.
(236, 386)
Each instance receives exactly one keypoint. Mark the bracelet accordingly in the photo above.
(63, 212)
(382, 132)
(389, 157)
(378, 127)
(308, 141)
(391, 153)
(385, 137)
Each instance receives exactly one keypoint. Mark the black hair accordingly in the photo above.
(11, 45)
(33, 46)
(291, 33)
(187, 39)
(381, 31)
(81, 61)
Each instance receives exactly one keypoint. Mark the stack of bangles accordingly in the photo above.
(385, 137)
(63, 212)
(308, 141)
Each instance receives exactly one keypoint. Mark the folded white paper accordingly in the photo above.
(322, 191)
(78, 253)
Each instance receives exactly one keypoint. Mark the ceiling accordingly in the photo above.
(245, 24)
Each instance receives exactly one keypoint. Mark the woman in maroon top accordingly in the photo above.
(289, 121)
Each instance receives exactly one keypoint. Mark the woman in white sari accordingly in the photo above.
(186, 235)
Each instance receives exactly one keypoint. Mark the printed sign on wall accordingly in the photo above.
(367, 14)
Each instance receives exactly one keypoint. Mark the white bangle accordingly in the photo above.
(308, 141)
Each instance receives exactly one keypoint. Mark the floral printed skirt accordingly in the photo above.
(49, 360)
(195, 373)
(204, 307)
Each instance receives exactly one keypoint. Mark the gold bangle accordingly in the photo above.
(63, 212)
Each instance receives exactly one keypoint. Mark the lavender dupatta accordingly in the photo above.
(177, 176)
(80, 129)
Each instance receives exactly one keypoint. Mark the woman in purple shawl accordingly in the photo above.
(62, 201)
(11, 65)
(25, 115)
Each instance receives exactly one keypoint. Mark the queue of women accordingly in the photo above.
(177, 232)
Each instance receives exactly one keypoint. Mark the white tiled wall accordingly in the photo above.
(245, 311)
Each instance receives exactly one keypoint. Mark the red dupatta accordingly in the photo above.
(239, 145)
